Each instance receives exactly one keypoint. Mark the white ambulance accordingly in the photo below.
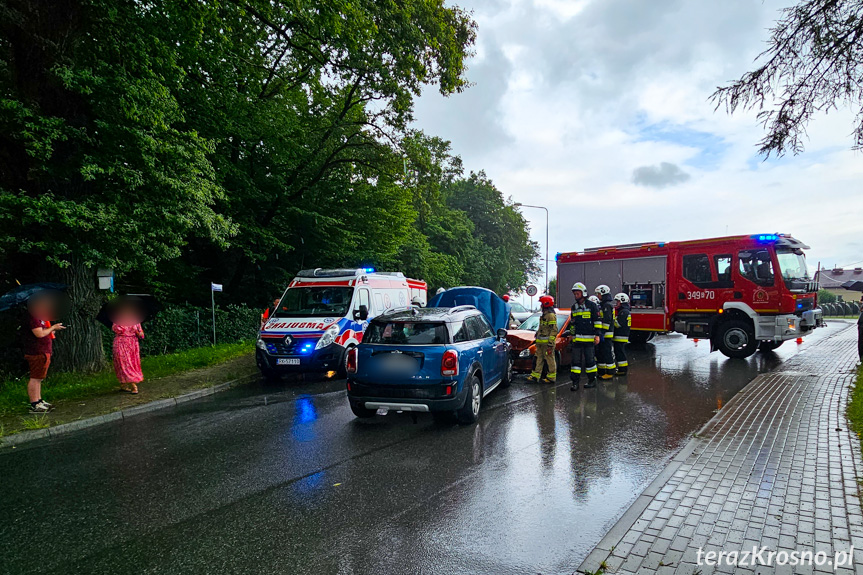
(323, 313)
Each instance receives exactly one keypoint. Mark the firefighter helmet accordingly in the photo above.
(622, 298)
(505, 297)
(594, 299)
(578, 286)
(546, 301)
(602, 290)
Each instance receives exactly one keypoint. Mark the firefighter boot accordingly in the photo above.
(622, 370)
(591, 382)
(550, 378)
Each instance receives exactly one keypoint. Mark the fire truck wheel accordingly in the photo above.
(769, 345)
(641, 337)
(736, 339)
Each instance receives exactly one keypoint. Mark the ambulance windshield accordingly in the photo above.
(314, 301)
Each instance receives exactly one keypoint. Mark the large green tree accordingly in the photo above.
(159, 134)
(96, 168)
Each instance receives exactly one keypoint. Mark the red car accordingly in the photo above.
(521, 340)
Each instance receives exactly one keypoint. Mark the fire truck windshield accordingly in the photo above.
(792, 263)
(313, 301)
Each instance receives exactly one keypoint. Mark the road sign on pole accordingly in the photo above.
(213, 289)
(532, 290)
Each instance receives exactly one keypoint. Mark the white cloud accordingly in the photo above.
(571, 98)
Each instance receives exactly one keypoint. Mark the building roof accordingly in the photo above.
(839, 278)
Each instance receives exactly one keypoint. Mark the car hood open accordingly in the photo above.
(495, 309)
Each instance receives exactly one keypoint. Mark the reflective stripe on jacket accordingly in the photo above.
(622, 323)
(547, 331)
(584, 321)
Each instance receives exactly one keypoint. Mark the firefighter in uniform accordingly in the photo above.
(605, 355)
(584, 330)
(545, 338)
(622, 327)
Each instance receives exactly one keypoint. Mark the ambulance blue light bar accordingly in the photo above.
(766, 237)
(369, 270)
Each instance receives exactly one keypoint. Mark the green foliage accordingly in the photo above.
(182, 327)
(552, 286)
(854, 410)
(69, 386)
(181, 143)
(825, 296)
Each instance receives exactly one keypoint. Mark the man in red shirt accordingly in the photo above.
(38, 347)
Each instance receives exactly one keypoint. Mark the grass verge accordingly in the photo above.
(855, 405)
(71, 386)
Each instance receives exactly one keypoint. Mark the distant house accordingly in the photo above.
(846, 284)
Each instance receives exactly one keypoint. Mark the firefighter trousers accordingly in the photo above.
(604, 356)
(545, 358)
(583, 360)
(620, 357)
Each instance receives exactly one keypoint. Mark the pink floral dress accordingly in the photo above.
(127, 353)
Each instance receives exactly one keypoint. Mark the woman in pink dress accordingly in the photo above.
(127, 352)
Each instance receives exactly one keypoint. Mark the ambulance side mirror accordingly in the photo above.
(361, 314)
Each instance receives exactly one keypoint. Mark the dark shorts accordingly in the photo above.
(38, 365)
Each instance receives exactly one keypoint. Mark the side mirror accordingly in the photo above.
(361, 314)
(501, 334)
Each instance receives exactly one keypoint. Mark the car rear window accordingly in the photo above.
(406, 333)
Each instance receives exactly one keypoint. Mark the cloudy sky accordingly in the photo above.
(605, 103)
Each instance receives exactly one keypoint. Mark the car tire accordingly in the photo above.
(342, 372)
(506, 380)
(469, 412)
(361, 412)
(736, 339)
(769, 345)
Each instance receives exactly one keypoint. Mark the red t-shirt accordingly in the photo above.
(37, 345)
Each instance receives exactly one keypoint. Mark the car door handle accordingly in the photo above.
(479, 352)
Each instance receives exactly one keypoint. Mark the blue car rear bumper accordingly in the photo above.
(431, 396)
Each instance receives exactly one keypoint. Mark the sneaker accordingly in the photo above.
(50, 405)
(40, 407)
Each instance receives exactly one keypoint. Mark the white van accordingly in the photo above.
(323, 313)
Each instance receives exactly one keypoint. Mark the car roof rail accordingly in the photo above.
(397, 309)
(459, 308)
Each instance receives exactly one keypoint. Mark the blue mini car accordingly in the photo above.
(442, 359)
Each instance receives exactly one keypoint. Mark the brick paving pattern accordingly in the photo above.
(777, 467)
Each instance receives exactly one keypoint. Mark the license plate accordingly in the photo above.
(288, 361)
(398, 363)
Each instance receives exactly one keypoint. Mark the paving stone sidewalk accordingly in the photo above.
(777, 467)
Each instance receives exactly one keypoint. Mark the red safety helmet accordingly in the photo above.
(505, 297)
(546, 301)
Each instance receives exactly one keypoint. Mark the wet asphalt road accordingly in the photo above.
(283, 479)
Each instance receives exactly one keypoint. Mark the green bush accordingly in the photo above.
(180, 327)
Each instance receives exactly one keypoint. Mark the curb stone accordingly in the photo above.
(121, 415)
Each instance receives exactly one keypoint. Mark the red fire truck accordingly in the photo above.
(741, 292)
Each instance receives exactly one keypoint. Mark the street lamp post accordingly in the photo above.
(520, 205)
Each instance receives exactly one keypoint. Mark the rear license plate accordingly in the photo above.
(399, 363)
(288, 361)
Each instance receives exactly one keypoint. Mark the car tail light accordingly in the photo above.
(351, 366)
(449, 363)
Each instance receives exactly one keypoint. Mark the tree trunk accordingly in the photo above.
(79, 348)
